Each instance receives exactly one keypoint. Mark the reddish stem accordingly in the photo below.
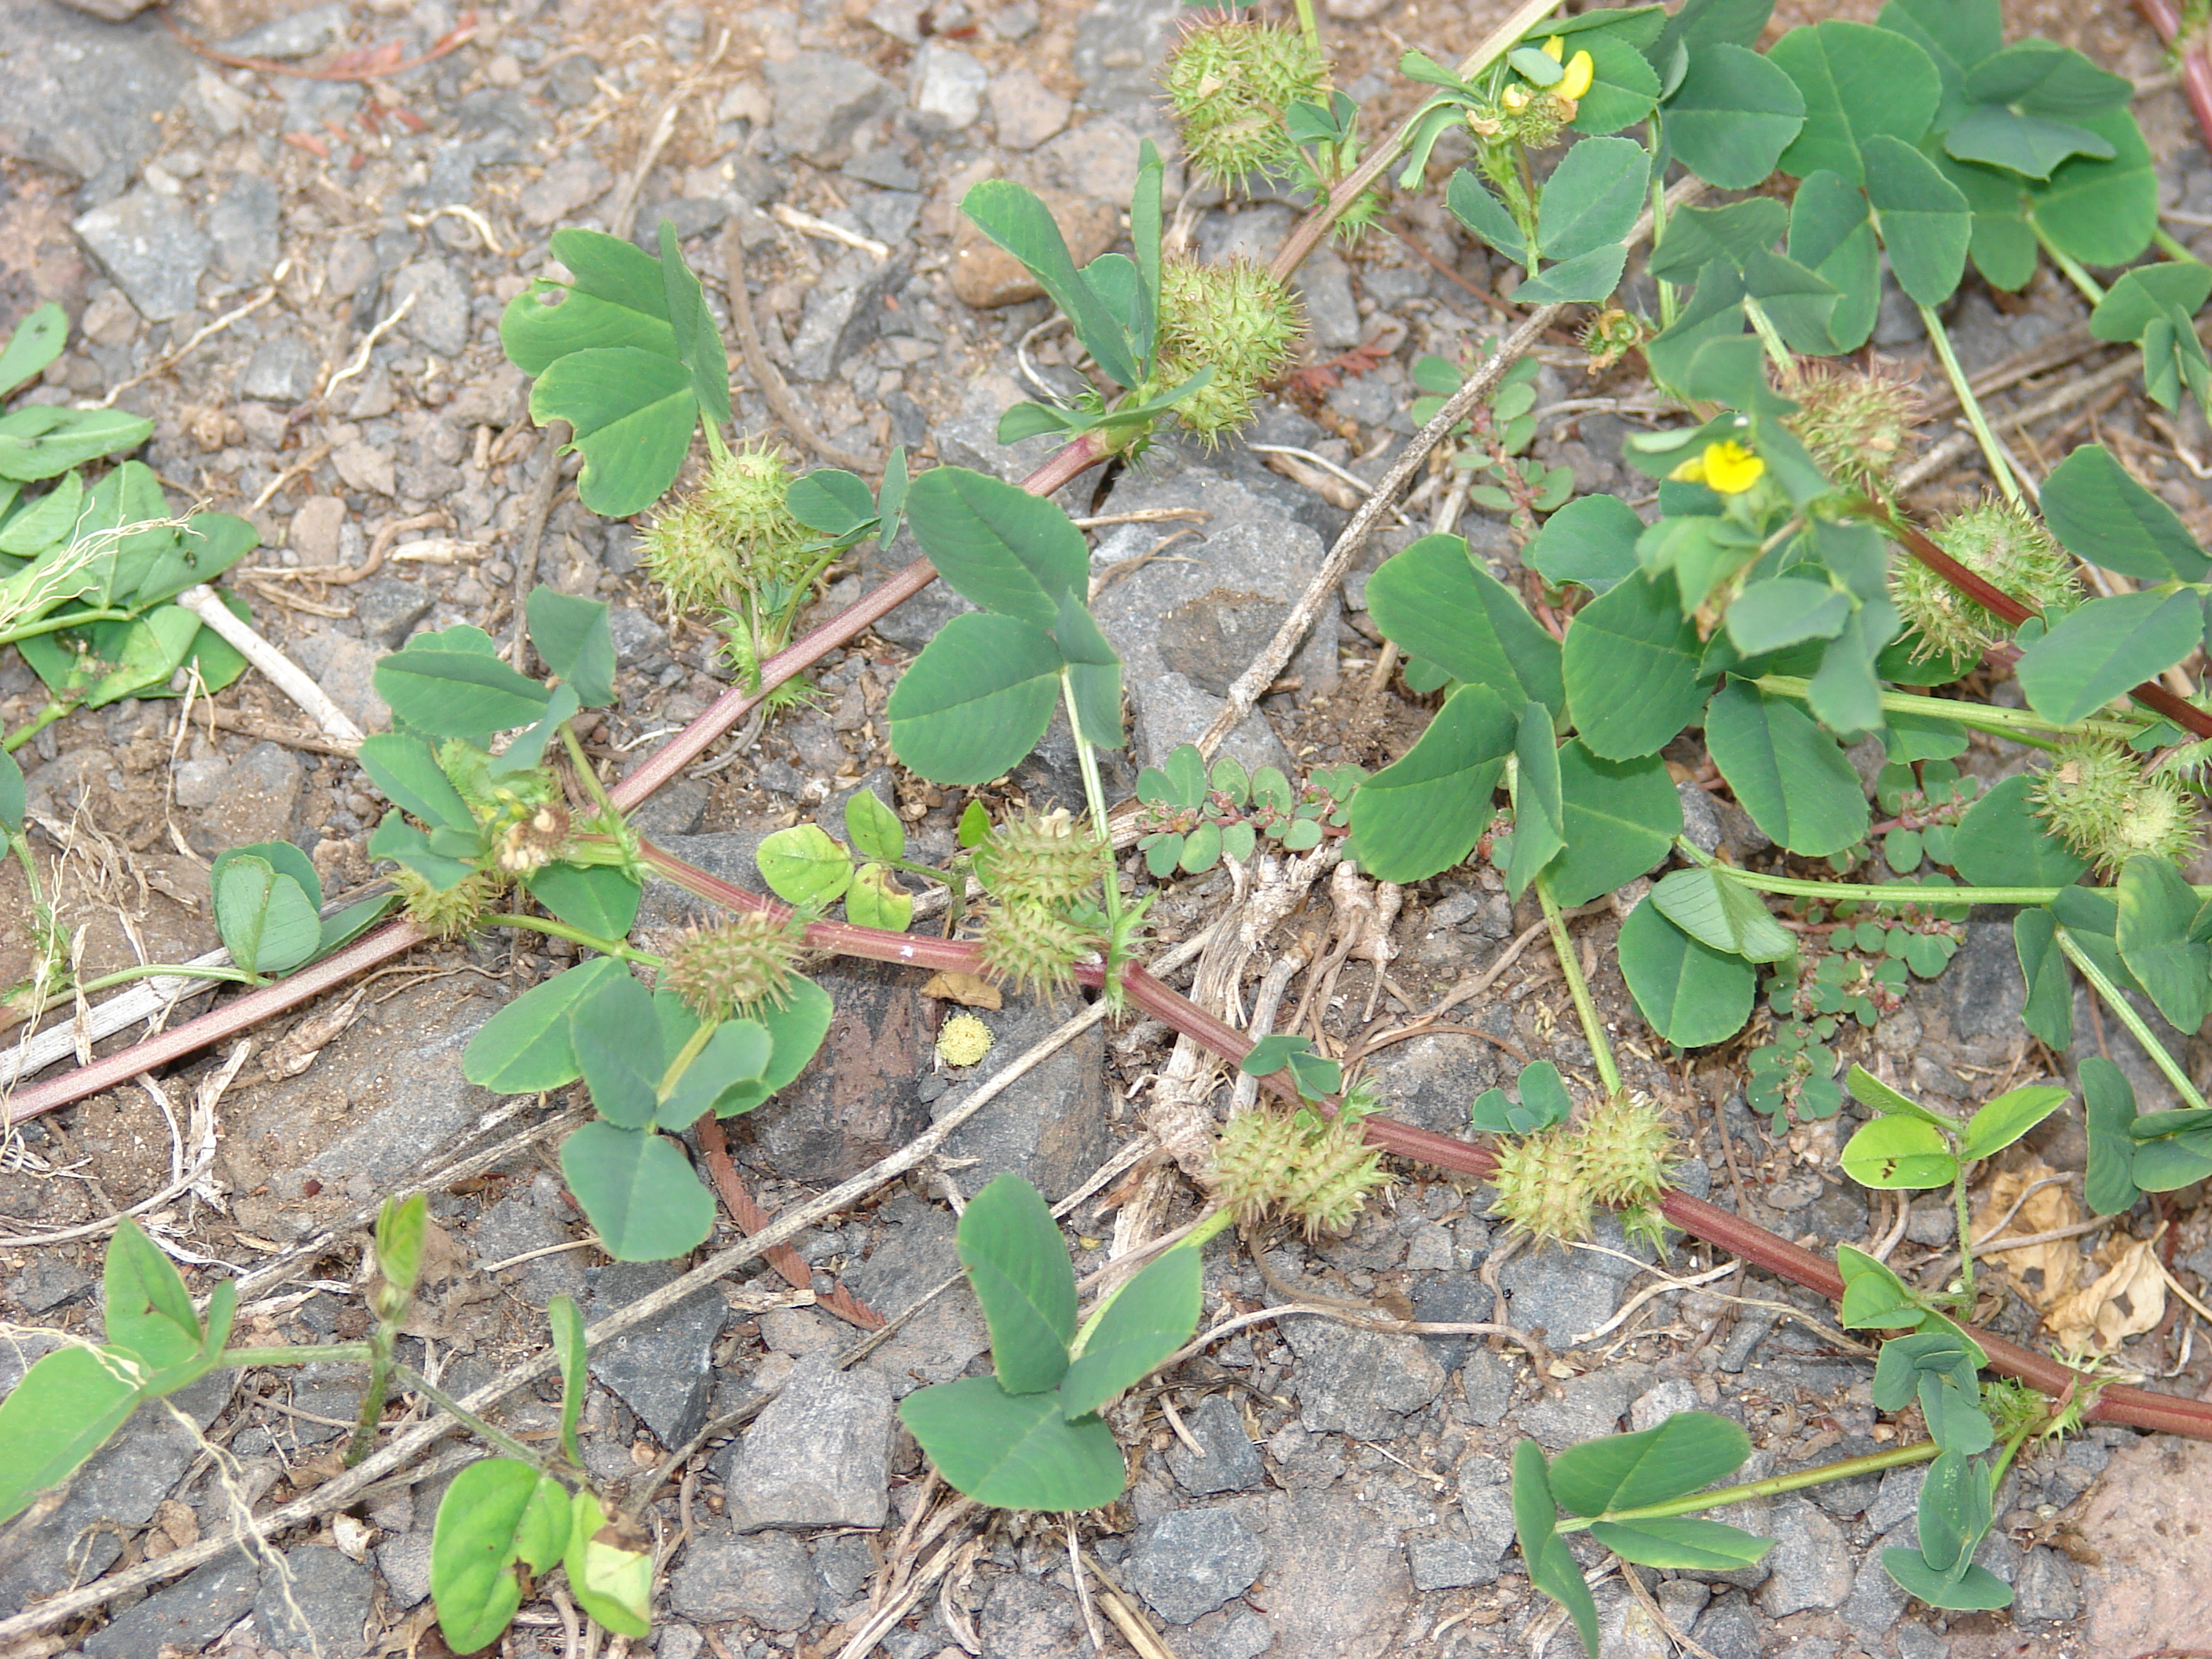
(2136, 1407)
(2196, 70)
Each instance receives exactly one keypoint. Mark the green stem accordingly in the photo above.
(373, 1397)
(1773, 1485)
(1094, 792)
(1669, 305)
(546, 924)
(1971, 404)
(1308, 27)
(1990, 717)
(1578, 987)
(690, 1052)
(1965, 1235)
(2172, 248)
(314, 1353)
(415, 1381)
(584, 769)
(55, 709)
(2070, 268)
(2138, 1028)
(1777, 352)
(1876, 893)
(67, 619)
(169, 971)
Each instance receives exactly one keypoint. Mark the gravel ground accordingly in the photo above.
(235, 248)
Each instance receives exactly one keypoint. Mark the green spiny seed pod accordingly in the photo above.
(691, 556)
(1330, 1173)
(2097, 800)
(1256, 1148)
(1038, 859)
(1032, 947)
(1231, 79)
(1236, 319)
(1856, 425)
(1540, 1188)
(450, 914)
(1999, 544)
(1625, 1143)
(739, 963)
(748, 492)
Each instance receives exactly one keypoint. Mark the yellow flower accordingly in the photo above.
(1514, 97)
(1575, 84)
(1555, 46)
(1726, 467)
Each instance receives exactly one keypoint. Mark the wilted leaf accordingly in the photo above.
(2127, 1299)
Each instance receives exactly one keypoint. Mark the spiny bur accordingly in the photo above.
(1236, 319)
(2097, 800)
(454, 911)
(1317, 1169)
(1854, 424)
(1231, 81)
(1034, 947)
(2006, 548)
(742, 962)
(1038, 858)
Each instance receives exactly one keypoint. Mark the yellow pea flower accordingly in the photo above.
(1555, 48)
(1514, 97)
(1727, 468)
(1575, 84)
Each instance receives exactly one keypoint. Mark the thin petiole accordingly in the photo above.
(2138, 1028)
(546, 924)
(1992, 451)
(1751, 1491)
(1990, 717)
(1585, 1006)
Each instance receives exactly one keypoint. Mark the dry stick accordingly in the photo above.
(281, 672)
(764, 374)
(557, 434)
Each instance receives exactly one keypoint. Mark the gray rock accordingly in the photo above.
(193, 1611)
(2044, 1591)
(917, 1253)
(1487, 1385)
(1447, 1564)
(1810, 1562)
(843, 312)
(364, 467)
(675, 809)
(1573, 1291)
(1026, 1618)
(1358, 1383)
(109, 11)
(1898, 1497)
(281, 371)
(243, 224)
(261, 796)
(1730, 1629)
(439, 321)
(1846, 1499)
(82, 93)
(48, 1283)
(819, 1456)
(1876, 1599)
(1192, 1561)
(1488, 1512)
(148, 244)
(562, 189)
(405, 1563)
(1983, 985)
(346, 668)
(1118, 45)
(862, 1096)
(1050, 1128)
(1351, 1577)
(767, 1579)
(1431, 1081)
(387, 609)
(662, 1368)
(1588, 1406)
(1230, 1464)
(948, 87)
(1025, 111)
(821, 99)
(319, 1600)
(300, 35)
(1919, 1642)
(1325, 282)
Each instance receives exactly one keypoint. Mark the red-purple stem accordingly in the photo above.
(2195, 69)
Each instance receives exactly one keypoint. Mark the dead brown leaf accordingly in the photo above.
(972, 990)
(2127, 1299)
(2045, 1274)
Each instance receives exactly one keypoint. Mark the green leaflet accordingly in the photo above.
(1424, 812)
(1791, 776)
(1692, 993)
(1859, 83)
(1632, 669)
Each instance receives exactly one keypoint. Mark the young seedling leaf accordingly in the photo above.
(267, 921)
(1874, 1299)
(2099, 512)
(1551, 1565)
(1017, 1262)
(525, 1048)
(1792, 777)
(1899, 1151)
(149, 1312)
(65, 1408)
(638, 1191)
(1435, 602)
(1692, 993)
(2108, 1102)
(1014, 1451)
(572, 635)
(568, 1347)
(874, 829)
(1632, 669)
(2104, 648)
(977, 698)
(1684, 1544)
(876, 899)
(1715, 909)
(2009, 1117)
(1424, 812)
(1622, 818)
(1151, 1318)
(1871, 1091)
(633, 413)
(610, 1567)
(36, 342)
(803, 866)
(473, 1551)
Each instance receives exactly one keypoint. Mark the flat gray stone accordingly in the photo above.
(243, 222)
(1447, 1564)
(663, 1368)
(300, 35)
(404, 1561)
(1358, 1383)
(2044, 1591)
(319, 1600)
(1192, 1561)
(948, 87)
(1347, 1571)
(1049, 1128)
(1731, 1629)
(187, 1614)
(767, 1579)
(82, 93)
(148, 244)
(346, 668)
(819, 1456)
(1026, 1618)
(1588, 1406)
(1810, 1564)
(1231, 1463)
(388, 608)
(440, 319)
(842, 314)
(821, 99)
(281, 371)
